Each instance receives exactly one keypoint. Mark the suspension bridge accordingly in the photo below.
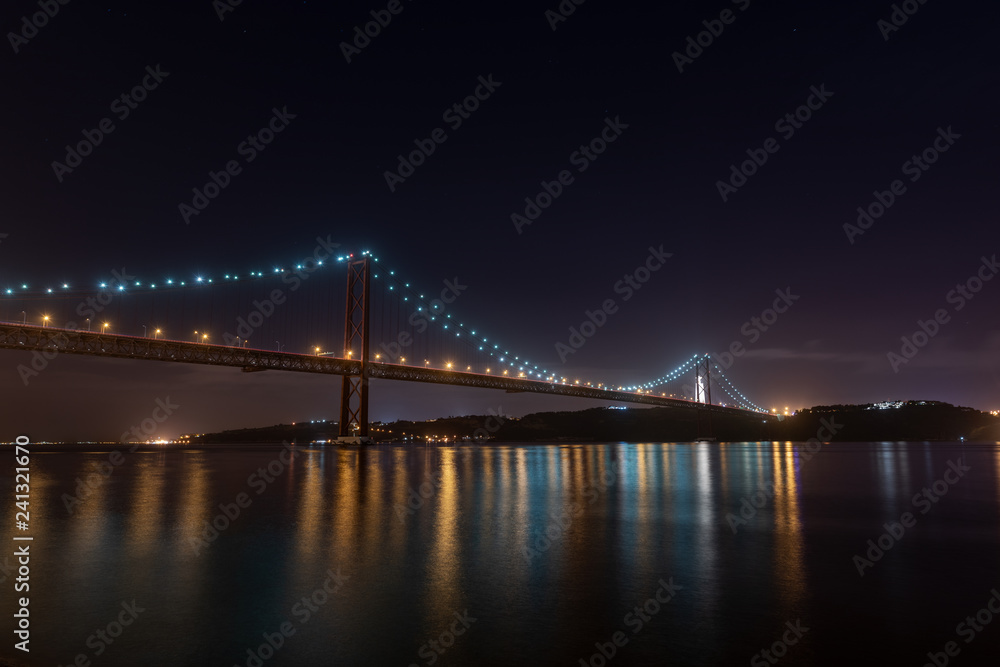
(392, 332)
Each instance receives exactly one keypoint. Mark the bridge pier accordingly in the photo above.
(703, 394)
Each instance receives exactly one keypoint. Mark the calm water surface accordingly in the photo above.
(694, 554)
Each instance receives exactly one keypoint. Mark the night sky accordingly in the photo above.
(863, 99)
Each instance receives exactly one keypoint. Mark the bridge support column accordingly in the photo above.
(354, 388)
(703, 393)
(703, 380)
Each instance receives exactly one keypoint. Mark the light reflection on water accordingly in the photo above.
(547, 546)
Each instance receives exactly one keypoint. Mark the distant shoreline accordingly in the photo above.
(899, 422)
(55, 448)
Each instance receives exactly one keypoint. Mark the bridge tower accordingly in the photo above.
(703, 393)
(703, 380)
(354, 389)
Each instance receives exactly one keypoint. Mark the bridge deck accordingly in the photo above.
(51, 341)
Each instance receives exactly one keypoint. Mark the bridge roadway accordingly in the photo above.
(50, 341)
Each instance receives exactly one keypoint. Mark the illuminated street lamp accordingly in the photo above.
(45, 320)
(317, 349)
(156, 334)
(104, 326)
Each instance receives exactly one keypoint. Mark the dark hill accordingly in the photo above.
(910, 420)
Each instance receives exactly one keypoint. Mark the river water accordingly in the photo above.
(526, 554)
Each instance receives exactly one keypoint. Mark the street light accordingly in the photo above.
(88, 324)
(156, 333)
(45, 320)
(104, 327)
(143, 330)
(317, 349)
